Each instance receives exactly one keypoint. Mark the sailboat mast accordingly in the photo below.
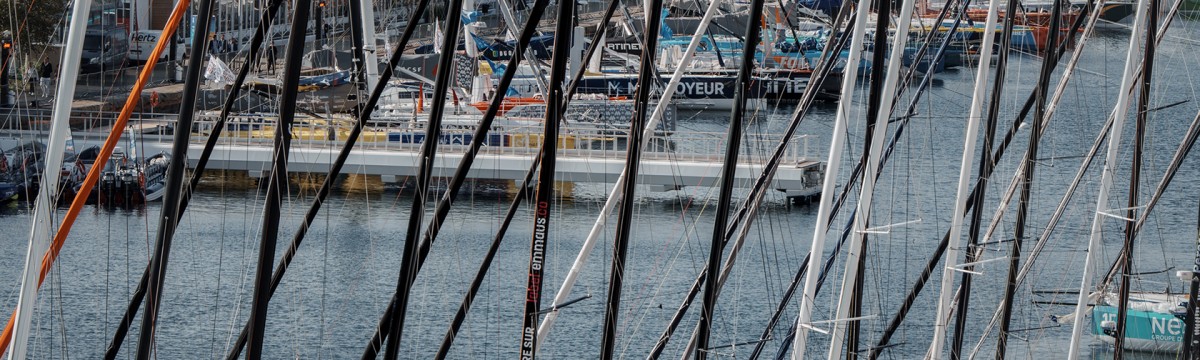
(93, 175)
(733, 141)
(1139, 140)
(433, 127)
(828, 184)
(278, 180)
(615, 195)
(362, 30)
(987, 165)
(593, 46)
(545, 186)
(1030, 162)
(175, 173)
(197, 173)
(1110, 162)
(633, 154)
(878, 115)
(43, 209)
(331, 176)
(1191, 332)
(942, 317)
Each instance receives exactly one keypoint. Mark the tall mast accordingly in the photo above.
(139, 292)
(1134, 176)
(1106, 180)
(829, 183)
(942, 317)
(615, 196)
(93, 175)
(278, 182)
(733, 141)
(748, 211)
(877, 117)
(1191, 333)
(156, 270)
(362, 23)
(433, 128)
(43, 209)
(1039, 120)
(986, 166)
(335, 169)
(633, 154)
(545, 186)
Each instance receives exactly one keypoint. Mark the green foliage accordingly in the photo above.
(32, 21)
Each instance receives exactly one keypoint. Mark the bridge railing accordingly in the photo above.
(577, 140)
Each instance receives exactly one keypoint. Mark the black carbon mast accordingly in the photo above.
(633, 153)
(135, 301)
(157, 268)
(733, 141)
(824, 66)
(1191, 332)
(364, 114)
(1039, 121)
(976, 193)
(1135, 176)
(278, 182)
(433, 127)
(545, 185)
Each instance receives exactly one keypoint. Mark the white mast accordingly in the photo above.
(60, 130)
(833, 166)
(871, 168)
(370, 59)
(615, 195)
(964, 176)
(1110, 159)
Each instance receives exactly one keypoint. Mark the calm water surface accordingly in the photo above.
(347, 268)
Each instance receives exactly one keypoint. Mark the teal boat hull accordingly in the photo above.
(1144, 330)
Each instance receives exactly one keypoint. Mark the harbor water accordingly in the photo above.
(346, 270)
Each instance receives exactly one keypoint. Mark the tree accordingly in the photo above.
(32, 21)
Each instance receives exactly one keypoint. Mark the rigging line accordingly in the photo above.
(615, 195)
(443, 208)
(47, 199)
(915, 290)
(106, 150)
(433, 127)
(942, 316)
(920, 54)
(169, 220)
(633, 152)
(365, 112)
(729, 167)
(1135, 171)
(880, 98)
(197, 173)
(987, 165)
(822, 70)
(545, 185)
(1078, 177)
(1039, 123)
(278, 182)
(855, 174)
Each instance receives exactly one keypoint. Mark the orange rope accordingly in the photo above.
(93, 175)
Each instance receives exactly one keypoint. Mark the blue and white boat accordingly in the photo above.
(1154, 321)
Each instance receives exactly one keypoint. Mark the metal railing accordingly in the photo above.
(577, 140)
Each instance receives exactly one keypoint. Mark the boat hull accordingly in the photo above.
(1144, 330)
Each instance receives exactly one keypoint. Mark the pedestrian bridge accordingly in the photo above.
(670, 162)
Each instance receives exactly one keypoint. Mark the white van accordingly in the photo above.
(141, 44)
